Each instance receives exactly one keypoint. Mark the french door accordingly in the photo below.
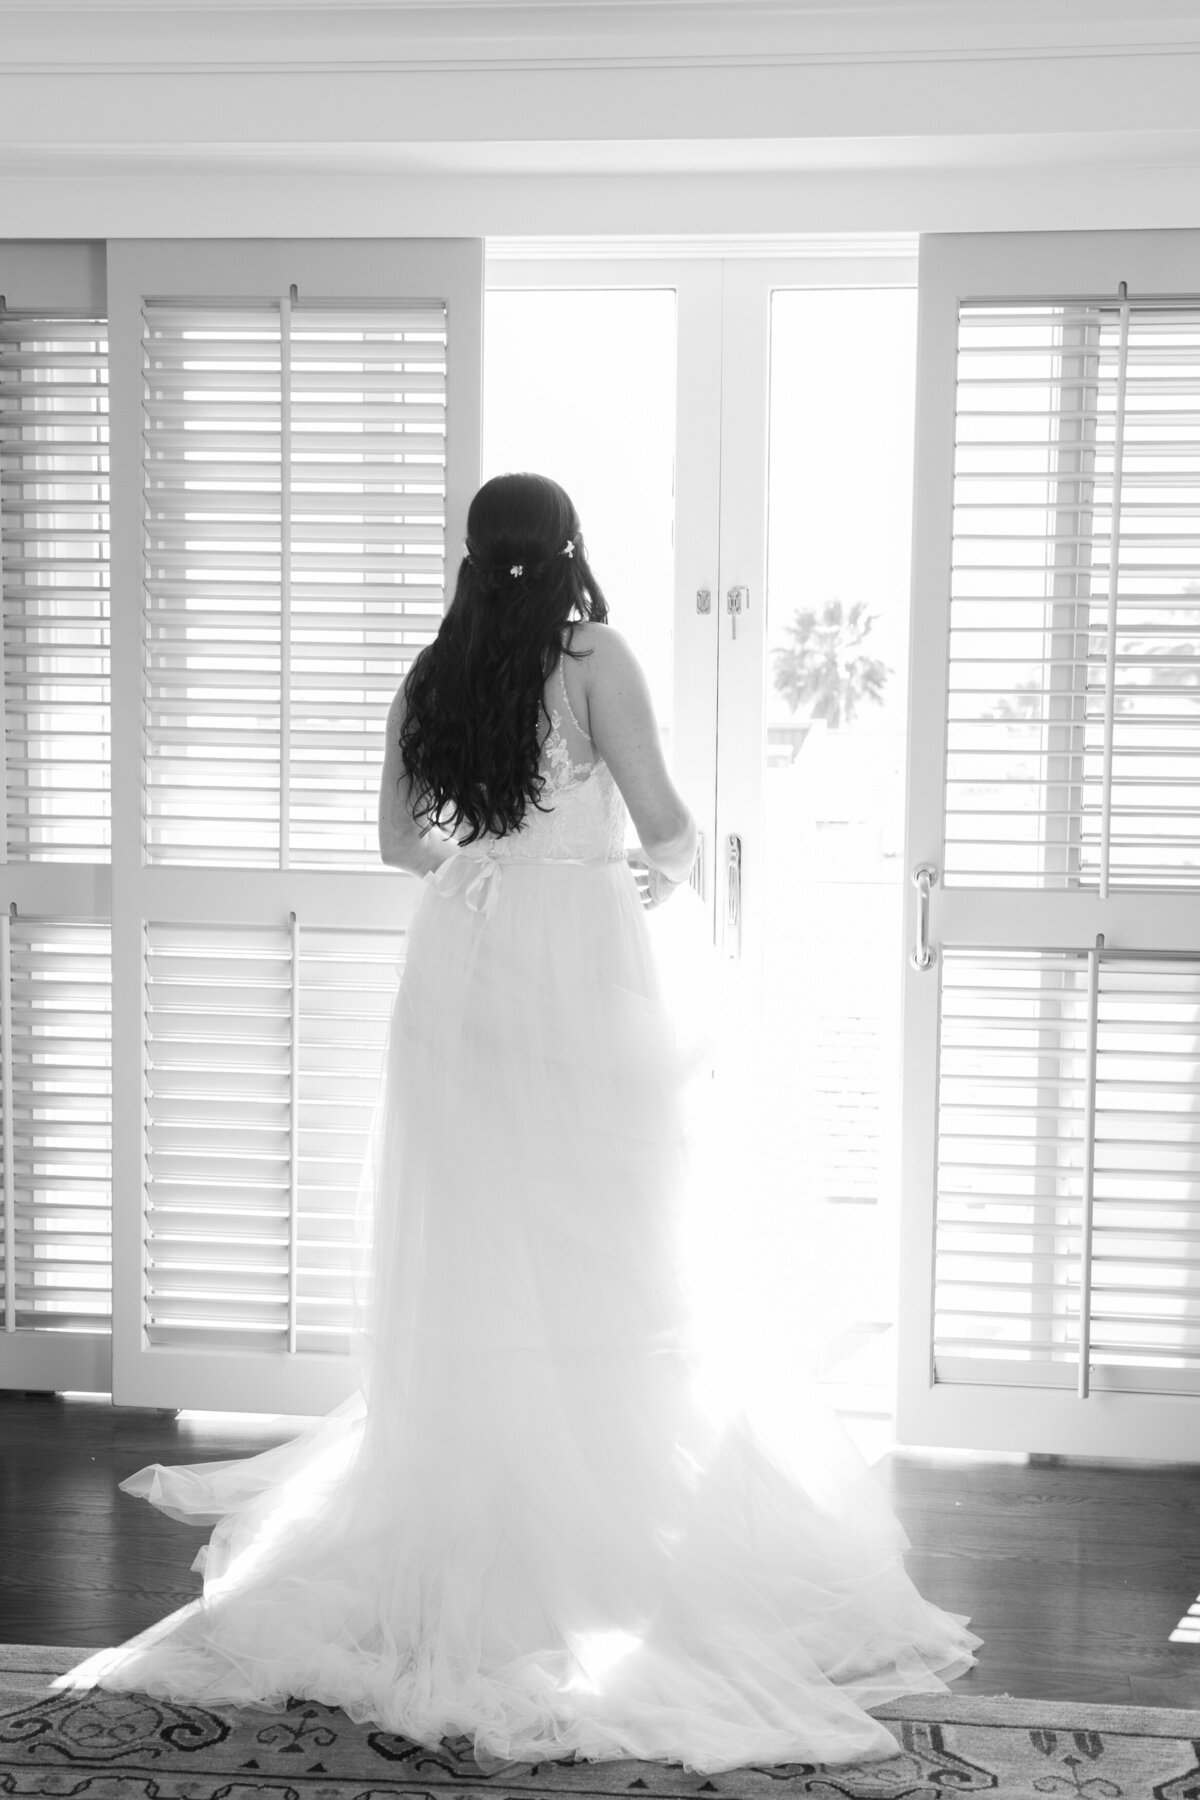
(818, 360)
(192, 1019)
(1051, 1232)
(713, 363)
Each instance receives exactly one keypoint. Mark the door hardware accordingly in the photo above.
(924, 955)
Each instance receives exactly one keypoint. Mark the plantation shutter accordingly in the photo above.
(1073, 748)
(295, 496)
(55, 987)
(54, 445)
(1052, 1107)
(264, 1052)
(299, 441)
(1023, 1094)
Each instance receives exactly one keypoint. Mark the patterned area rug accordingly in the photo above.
(98, 1746)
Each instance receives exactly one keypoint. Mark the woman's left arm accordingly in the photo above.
(403, 844)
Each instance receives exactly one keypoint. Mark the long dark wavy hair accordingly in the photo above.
(472, 729)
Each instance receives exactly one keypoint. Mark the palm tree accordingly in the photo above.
(823, 666)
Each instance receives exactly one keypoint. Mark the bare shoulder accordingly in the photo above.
(582, 633)
(603, 647)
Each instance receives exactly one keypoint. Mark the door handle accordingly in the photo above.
(696, 879)
(733, 893)
(924, 955)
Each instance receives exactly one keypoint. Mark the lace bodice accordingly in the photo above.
(586, 816)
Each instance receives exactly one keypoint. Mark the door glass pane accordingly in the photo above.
(579, 384)
(840, 499)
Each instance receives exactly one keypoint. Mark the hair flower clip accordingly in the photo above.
(517, 569)
(568, 548)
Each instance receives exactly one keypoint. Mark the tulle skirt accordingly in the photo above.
(543, 1520)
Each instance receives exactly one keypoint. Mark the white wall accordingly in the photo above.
(680, 116)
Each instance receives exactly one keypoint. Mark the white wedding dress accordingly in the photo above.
(533, 1524)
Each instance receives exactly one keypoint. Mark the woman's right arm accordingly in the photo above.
(625, 732)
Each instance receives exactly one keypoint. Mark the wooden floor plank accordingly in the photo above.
(1074, 1575)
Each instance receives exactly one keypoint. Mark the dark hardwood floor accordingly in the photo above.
(1074, 1575)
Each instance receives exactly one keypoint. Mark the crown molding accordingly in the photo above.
(96, 38)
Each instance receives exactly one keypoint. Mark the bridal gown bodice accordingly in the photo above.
(533, 1524)
(579, 817)
(584, 815)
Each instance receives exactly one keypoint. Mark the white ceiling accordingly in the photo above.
(787, 109)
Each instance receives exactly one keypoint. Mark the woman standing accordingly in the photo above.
(529, 1526)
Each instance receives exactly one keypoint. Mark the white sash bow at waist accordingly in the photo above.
(477, 878)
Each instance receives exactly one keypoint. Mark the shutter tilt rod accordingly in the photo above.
(1089, 1170)
(285, 578)
(1114, 584)
(294, 1134)
(294, 1137)
(6, 1123)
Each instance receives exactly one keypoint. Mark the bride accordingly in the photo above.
(533, 1523)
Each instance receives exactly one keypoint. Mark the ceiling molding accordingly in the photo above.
(75, 205)
(95, 38)
(590, 158)
(720, 61)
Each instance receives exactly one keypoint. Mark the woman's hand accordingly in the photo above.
(653, 886)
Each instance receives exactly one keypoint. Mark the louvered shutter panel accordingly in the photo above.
(56, 1038)
(1011, 1118)
(54, 571)
(1073, 750)
(212, 585)
(218, 1135)
(1015, 1281)
(290, 456)
(1143, 1282)
(1063, 1160)
(295, 515)
(368, 499)
(264, 1052)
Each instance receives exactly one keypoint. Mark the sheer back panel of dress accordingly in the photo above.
(580, 814)
(568, 753)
